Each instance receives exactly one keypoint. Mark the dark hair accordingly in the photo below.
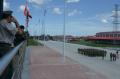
(22, 27)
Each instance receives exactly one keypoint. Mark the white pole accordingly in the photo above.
(64, 31)
(43, 32)
(39, 30)
(44, 24)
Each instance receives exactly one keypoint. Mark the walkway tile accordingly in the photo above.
(46, 63)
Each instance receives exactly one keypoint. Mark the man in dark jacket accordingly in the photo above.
(20, 36)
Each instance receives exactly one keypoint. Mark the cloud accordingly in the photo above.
(22, 7)
(104, 20)
(57, 11)
(6, 5)
(74, 12)
(38, 2)
(72, 1)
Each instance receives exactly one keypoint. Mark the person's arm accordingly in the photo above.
(16, 22)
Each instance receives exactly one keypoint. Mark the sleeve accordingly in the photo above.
(13, 29)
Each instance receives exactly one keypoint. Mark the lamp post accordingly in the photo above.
(43, 25)
(64, 31)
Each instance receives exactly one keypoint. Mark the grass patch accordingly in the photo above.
(32, 42)
(90, 43)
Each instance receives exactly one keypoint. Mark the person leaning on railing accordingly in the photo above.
(7, 32)
(20, 36)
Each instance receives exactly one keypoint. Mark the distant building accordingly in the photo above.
(60, 37)
(105, 38)
(68, 38)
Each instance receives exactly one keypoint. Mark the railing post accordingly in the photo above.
(1, 8)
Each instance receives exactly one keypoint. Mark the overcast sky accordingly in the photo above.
(83, 17)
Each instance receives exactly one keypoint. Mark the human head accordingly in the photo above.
(7, 15)
(22, 27)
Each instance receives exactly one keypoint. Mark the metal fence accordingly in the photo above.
(13, 62)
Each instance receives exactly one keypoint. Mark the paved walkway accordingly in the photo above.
(46, 63)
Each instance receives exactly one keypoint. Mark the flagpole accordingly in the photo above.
(27, 23)
(27, 19)
(27, 16)
(64, 32)
(44, 27)
(39, 29)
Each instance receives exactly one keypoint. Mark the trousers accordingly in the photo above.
(4, 48)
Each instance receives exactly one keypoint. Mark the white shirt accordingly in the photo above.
(7, 32)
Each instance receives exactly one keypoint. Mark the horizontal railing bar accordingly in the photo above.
(4, 62)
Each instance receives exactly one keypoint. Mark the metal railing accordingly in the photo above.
(13, 61)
